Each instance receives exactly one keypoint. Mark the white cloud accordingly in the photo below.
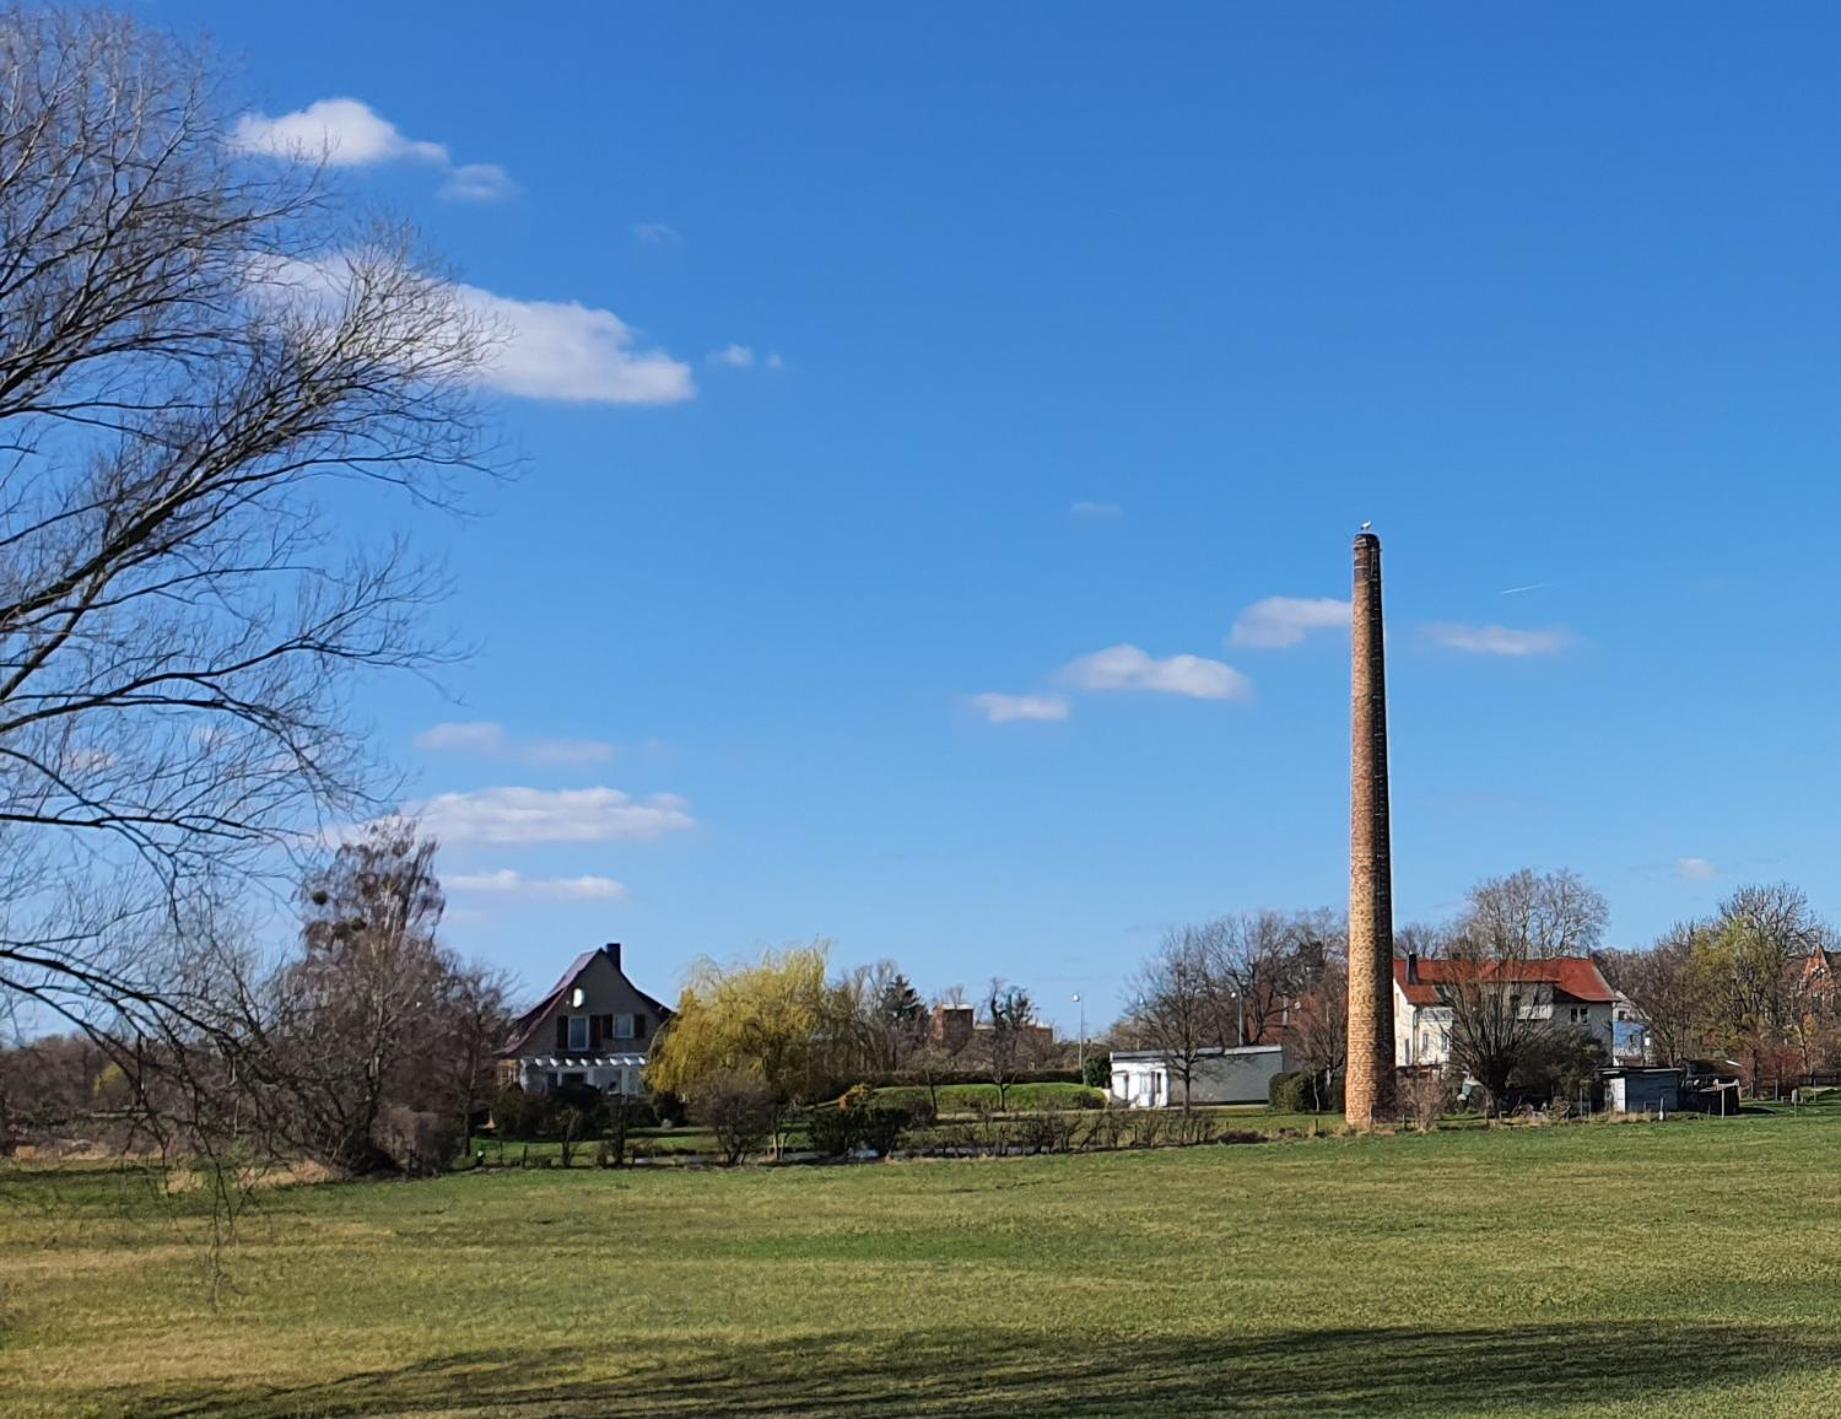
(1126, 667)
(478, 182)
(347, 133)
(535, 349)
(1095, 512)
(1018, 709)
(1285, 620)
(1695, 869)
(568, 815)
(341, 133)
(774, 362)
(656, 234)
(738, 357)
(1498, 640)
(489, 739)
(510, 883)
(568, 351)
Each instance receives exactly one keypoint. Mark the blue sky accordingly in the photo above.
(958, 344)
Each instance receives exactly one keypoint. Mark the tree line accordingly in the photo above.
(1755, 980)
(1279, 978)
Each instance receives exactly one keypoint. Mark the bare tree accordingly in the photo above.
(1172, 1006)
(1502, 1014)
(1255, 963)
(472, 1007)
(352, 1023)
(197, 359)
(1668, 989)
(1318, 1027)
(1010, 1019)
(1538, 914)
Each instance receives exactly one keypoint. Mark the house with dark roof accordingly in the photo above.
(1568, 990)
(595, 1027)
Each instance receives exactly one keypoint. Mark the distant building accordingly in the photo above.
(1642, 1090)
(595, 1027)
(1144, 1078)
(954, 1027)
(1570, 991)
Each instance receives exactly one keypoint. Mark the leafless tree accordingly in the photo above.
(1667, 988)
(200, 363)
(472, 1005)
(1172, 1006)
(1318, 1027)
(1538, 914)
(1010, 1020)
(1259, 962)
(351, 1024)
(1501, 1015)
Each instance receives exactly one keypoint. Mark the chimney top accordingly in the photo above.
(1412, 968)
(612, 952)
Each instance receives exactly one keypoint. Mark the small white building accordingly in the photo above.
(1144, 1078)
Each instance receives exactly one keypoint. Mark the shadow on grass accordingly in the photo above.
(976, 1373)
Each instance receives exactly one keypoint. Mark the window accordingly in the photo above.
(623, 1027)
(578, 1032)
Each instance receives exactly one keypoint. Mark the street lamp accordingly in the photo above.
(1083, 1037)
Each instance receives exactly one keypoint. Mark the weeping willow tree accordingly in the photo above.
(776, 1027)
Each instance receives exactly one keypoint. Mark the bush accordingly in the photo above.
(856, 1121)
(1097, 1074)
(417, 1143)
(1302, 1092)
(741, 1111)
(832, 1130)
(1286, 1092)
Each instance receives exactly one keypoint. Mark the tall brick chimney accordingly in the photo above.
(1369, 1089)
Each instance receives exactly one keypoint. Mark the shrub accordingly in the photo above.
(668, 1109)
(1424, 1097)
(1045, 1131)
(1287, 1093)
(417, 1143)
(741, 1111)
(1097, 1072)
(855, 1122)
(1303, 1092)
(884, 1128)
(513, 1113)
(833, 1130)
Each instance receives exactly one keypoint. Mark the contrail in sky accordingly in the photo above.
(1517, 590)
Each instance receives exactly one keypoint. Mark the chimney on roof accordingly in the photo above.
(612, 951)
(1412, 968)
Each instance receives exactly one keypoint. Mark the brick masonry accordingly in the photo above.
(1369, 1093)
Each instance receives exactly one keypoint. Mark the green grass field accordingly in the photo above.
(1689, 1268)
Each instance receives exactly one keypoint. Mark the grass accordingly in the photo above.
(1647, 1270)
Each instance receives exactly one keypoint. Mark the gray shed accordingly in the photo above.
(1641, 1091)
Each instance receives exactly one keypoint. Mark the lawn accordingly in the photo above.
(1689, 1268)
